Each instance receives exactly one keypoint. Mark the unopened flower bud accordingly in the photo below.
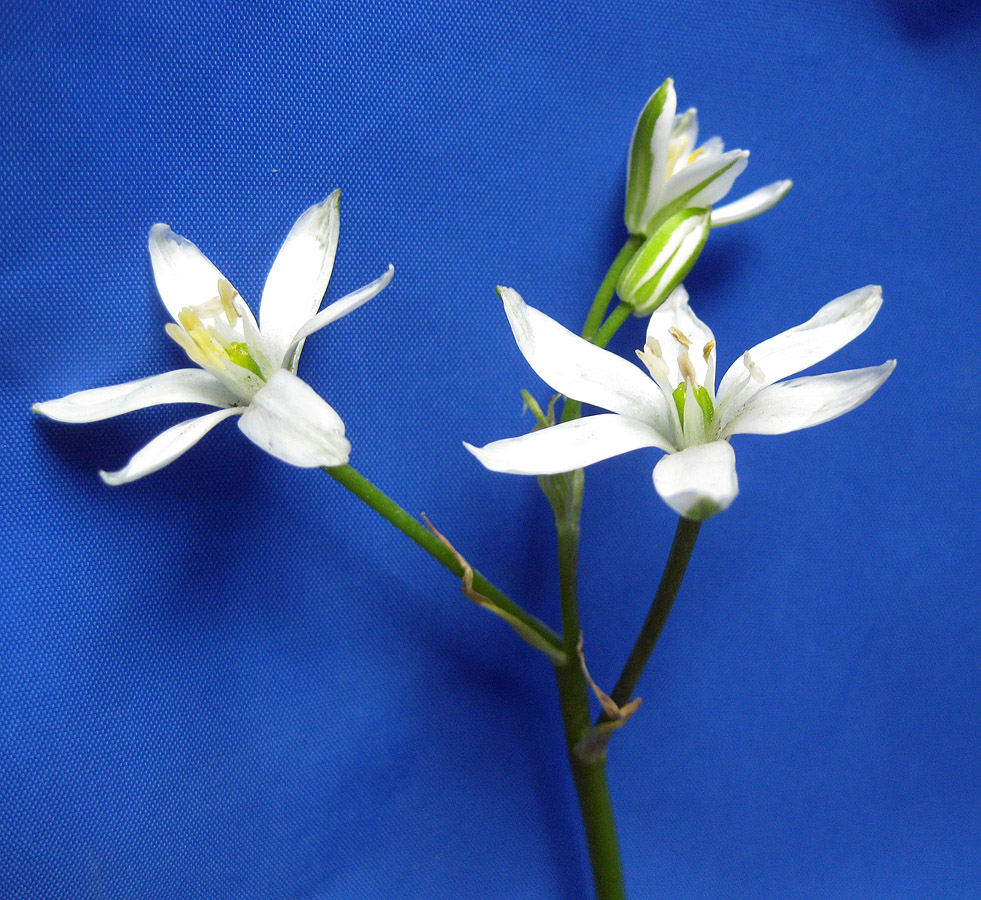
(663, 260)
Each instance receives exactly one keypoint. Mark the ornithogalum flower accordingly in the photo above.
(666, 172)
(247, 369)
(674, 406)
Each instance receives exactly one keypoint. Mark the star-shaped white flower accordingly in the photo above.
(667, 173)
(247, 369)
(674, 405)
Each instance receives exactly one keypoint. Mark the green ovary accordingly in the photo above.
(238, 353)
(702, 398)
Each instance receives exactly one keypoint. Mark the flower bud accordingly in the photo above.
(663, 260)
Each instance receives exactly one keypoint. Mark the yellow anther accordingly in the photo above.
(226, 295)
(189, 319)
(184, 341)
(210, 349)
(679, 336)
(707, 351)
(694, 155)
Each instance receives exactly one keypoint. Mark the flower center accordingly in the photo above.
(693, 429)
(215, 345)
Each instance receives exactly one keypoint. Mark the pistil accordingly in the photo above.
(213, 346)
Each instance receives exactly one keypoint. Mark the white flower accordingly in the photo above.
(666, 172)
(247, 369)
(676, 408)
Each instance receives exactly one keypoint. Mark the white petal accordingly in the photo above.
(706, 180)
(580, 370)
(684, 134)
(184, 275)
(712, 147)
(332, 313)
(290, 420)
(676, 316)
(698, 482)
(811, 400)
(166, 447)
(753, 204)
(298, 278)
(179, 386)
(834, 325)
(569, 446)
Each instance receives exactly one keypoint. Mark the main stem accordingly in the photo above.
(674, 571)
(589, 776)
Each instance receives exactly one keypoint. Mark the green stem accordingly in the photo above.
(609, 328)
(667, 590)
(588, 775)
(601, 302)
(591, 784)
(609, 284)
(381, 503)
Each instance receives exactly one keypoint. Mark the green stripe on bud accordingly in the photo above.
(659, 110)
(663, 260)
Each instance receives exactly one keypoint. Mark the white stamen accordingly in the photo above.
(707, 351)
(754, 370)
(686, 368)
(651, 357)
(226, 296)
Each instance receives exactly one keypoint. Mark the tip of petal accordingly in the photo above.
(113, 479)
(161, 232)
(509, 295)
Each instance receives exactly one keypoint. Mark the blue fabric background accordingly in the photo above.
(230, 680)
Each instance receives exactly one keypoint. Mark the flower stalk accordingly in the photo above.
(674, 572)
(528, 626)
(608, 285)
